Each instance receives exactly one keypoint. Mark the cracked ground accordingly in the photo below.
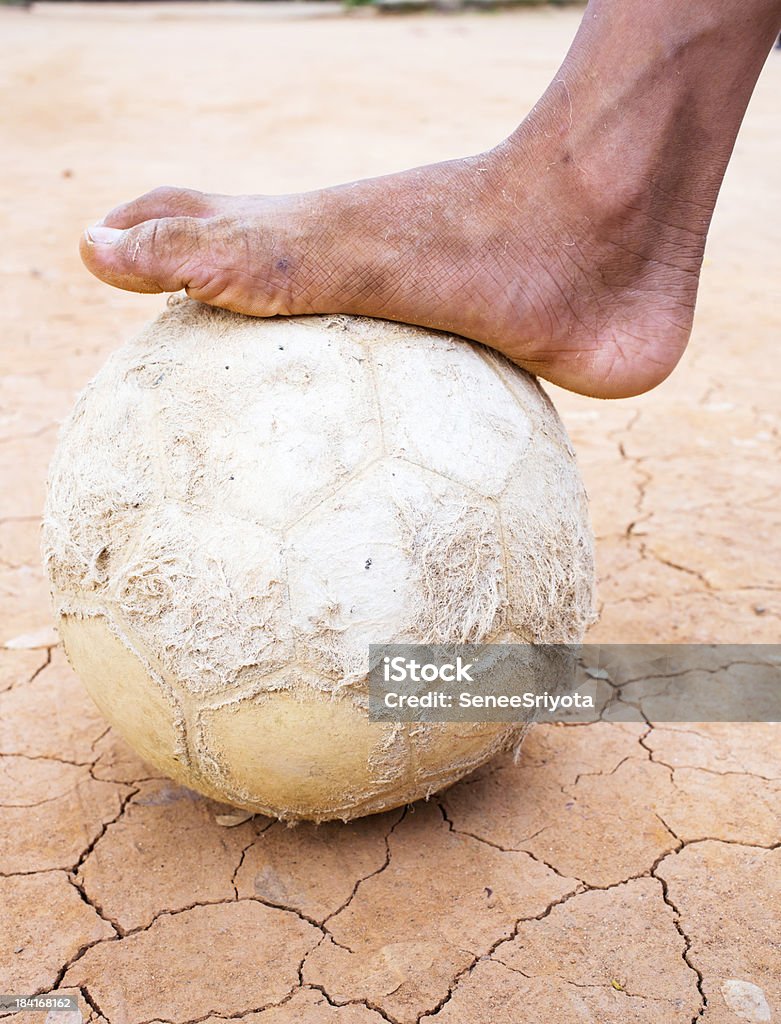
(617, 873)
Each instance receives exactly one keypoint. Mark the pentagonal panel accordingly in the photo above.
(206, 595)
(445, 408)
(399, 554)
(262, 419)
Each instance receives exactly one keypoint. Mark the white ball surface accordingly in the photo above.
(238, 507)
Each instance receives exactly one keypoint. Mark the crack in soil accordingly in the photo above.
(45, 757)
(686, 954)
(226, 1016)
(679, 568)
(488, 954)
(124, 800)
(243, 854)
(25, 682)
(25, 874)
(585, 775)
(507, 849)
(90, 1000)
(325, 933)
(377, 871)
(559, 902)
(712, 771)
(352, 1002)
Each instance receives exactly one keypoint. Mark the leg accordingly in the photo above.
(574, 246)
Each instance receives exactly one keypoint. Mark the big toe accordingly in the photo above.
(154, 256)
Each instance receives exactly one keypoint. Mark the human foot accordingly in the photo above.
(454, 246)
(574, 247)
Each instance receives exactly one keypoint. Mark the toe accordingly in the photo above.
(163, 202)
(154, 256)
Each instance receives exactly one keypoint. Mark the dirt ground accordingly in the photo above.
(618, 873)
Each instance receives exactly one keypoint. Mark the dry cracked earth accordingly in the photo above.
(617, 872)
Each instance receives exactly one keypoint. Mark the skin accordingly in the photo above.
(574, 246)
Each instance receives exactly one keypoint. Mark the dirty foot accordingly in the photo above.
(574, 247)
(473, 247)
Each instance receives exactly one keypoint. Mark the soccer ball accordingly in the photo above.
(238, 507)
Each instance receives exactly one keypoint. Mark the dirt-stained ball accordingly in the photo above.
(238, 507)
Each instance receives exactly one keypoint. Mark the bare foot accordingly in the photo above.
(453, 246)
(574, 247)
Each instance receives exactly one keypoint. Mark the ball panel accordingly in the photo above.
(125, 691)
(297, 756)
(455, 545)
(207, 594)
(327, 760)
(399, 554)
(265, 420)
(450, 412)
(349, 574)
(532, 399)
(443, 752)
(549, 548)
(101, 480)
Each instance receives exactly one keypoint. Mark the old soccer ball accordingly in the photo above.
(238, 507)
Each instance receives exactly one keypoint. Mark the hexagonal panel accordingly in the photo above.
(445, 408)
(531, 396)
(549, 546)
(300, 753)
(139, 705)
(399, 554)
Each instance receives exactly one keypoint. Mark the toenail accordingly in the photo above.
(101, 235)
